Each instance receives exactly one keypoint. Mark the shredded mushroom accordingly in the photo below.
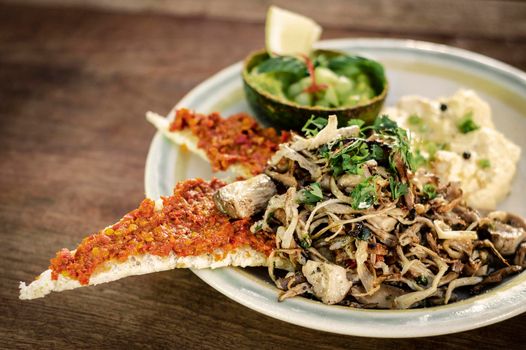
(358, 226)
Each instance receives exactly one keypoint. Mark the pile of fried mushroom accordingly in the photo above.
(356, 224)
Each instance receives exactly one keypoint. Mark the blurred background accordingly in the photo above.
(151, 41)
(77, 76)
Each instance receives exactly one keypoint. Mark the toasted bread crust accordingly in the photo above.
(140, 265)
(190, 141)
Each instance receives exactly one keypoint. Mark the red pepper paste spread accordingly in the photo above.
(236, 139)
(188, 225)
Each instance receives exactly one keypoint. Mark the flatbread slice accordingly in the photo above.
(237, 143)
(140, 265)
(185, 230)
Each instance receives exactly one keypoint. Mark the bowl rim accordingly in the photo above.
(312, 109)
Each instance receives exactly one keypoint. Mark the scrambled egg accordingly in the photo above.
(455, 138)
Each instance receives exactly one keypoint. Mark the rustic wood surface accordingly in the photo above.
(74, 86)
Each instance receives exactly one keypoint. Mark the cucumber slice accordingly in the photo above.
(331, 97)
(295, 89)
(343, 87)
(304, 99)
(325, 76)
(352, 100)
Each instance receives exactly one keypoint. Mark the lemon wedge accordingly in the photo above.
(289, 33)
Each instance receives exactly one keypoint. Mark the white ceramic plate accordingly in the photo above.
(413, 68)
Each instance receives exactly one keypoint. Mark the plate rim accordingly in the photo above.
(313, 321)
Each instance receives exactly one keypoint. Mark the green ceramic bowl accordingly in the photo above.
(288, 115)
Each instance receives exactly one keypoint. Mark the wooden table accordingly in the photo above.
(74, 87)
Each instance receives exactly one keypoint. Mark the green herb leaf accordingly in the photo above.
(358, 122)
(466, 124)
(383, 124)
(284, 64)
(347, 163)
(414, 120)
(364, 194)
(430, 191)
(312, 194)
(398, 189)
(387, 127)
(484, 163)
(417, 123)
(377, 153)
(324, 151)
(313, 126)
(349, 157)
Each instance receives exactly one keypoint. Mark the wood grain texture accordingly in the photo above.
(492, 18)
(74, 86)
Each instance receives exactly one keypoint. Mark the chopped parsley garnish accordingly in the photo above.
(385, 124)
(364, 194)
(417, 122)
(377, 152)
(398, 189)
(414, 120)
(387, 127)
(350, 165)
(349, 157)
(324, 151)
(312, 194)
(426, 151)
(357, 122)
(484, 163)
(258, 227)
(313, 126)
(433, 147)
(466, 124)
(430, 191)
(402, 147)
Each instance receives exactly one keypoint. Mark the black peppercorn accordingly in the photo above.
(466, 155)
(443, 107)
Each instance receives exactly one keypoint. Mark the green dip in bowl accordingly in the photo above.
(286, 91)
